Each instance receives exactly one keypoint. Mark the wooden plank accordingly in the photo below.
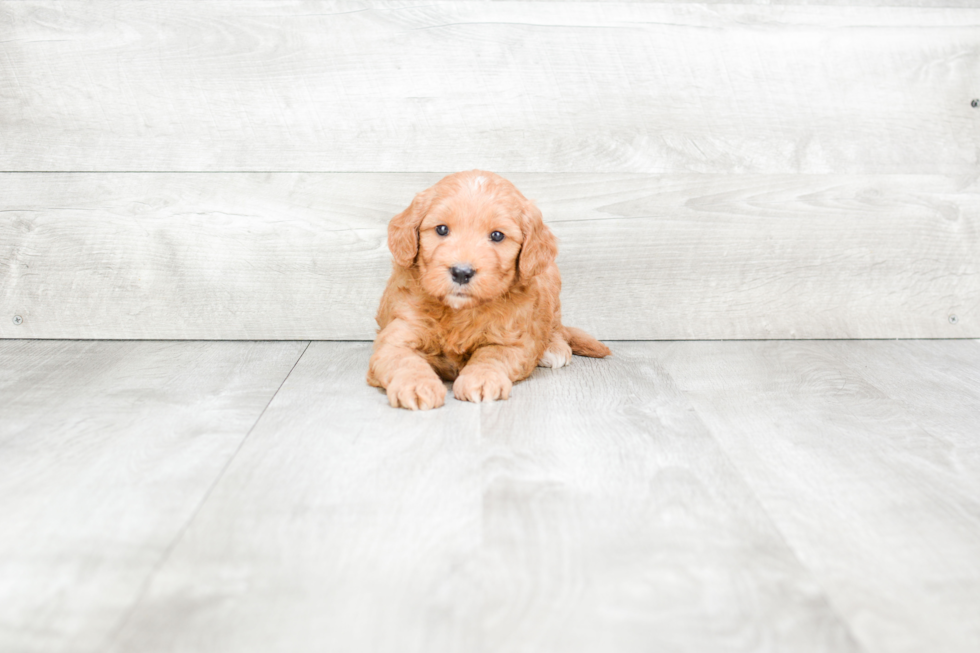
(591, 508)
(960, 4)
(937, 385)
(303, 255)
(883, 511)
(957, 4)
(338, 86)
(341, 525)
(106, 451)
(614, 522)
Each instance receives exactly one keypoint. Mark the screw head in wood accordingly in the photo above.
(953, 319)
(975, 103)
(18, 320)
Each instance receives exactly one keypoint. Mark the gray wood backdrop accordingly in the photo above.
(226, 169)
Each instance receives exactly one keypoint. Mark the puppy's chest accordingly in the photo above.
(457, 335)
(459, 341)
(448, 352)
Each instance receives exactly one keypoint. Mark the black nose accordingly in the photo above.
(462, 273)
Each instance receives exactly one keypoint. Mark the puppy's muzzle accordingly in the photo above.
(462, 273)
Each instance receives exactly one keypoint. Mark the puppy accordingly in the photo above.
(473, 296)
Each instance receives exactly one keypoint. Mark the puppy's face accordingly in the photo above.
(470, 237)
(468, 246)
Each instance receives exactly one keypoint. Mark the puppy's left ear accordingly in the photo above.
(403, 230)
(540, 246)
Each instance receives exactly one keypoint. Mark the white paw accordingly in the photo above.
(556, 359)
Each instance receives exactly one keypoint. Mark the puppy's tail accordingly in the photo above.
(583, 344)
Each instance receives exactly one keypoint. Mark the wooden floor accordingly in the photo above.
(679, 496)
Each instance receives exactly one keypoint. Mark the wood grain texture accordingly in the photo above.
(879, 505)
(304, 256)
(614, 522)
(344, 524)
(678, 496)
(937, 383)
(106, 451)
(958, 4)
(342, 86)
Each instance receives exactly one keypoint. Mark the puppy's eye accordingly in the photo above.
(442, 230)
(496, 236)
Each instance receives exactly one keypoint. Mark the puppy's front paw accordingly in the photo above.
(415, 392)
(482, 385)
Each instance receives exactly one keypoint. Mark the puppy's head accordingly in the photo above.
(471, 237)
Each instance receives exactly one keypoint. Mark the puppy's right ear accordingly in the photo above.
(403, 230)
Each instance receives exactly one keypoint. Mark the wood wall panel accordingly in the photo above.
(509, 86)
(714, 170)
(303, 255)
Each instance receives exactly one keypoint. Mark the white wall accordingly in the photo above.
(226, 169)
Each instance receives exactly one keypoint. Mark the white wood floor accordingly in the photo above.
(679, 496)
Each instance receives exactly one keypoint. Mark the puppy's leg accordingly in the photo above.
(404, 374)
(558, 353)
(491, 371)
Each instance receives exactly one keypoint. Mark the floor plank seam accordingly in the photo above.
(144, 588)
(845, 623)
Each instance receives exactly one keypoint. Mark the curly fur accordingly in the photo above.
(484, 335)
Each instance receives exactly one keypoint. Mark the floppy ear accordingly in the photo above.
(540, 246)
(403, 230)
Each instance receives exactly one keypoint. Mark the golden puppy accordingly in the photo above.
(473, 296)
